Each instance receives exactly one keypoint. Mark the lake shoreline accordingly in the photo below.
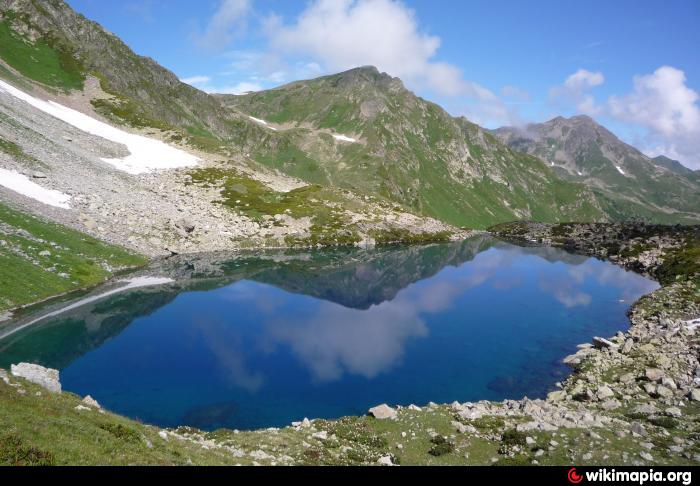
(632, 398)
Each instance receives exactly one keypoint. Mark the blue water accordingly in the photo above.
(263, 343)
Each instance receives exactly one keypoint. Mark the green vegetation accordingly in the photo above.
(46, 60)
(39, 259)
(326, 209)
(411, 152)
(48, 429)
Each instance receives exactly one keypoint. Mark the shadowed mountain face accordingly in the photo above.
(363, 130)
(628, 183)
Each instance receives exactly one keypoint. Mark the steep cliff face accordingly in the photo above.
(628, 183)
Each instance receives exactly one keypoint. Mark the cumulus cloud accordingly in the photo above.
(576, 90)
(343, 34)
(583, 79)
(336, 35)
(662, 103)
(227, 22)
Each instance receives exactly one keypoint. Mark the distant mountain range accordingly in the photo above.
(359, 131)
(627, 183)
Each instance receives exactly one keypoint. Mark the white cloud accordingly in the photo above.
(583, 79)
(336, 35)
(664, 105)
(236, 89)
(575, 90)
(226, 23)
(205, 84)
(196, 80)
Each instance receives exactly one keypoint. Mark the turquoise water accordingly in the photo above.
(260, 341)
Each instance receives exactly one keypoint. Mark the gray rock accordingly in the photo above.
(383, 412)
(646, 456)
(637, 428)
(669, 383)
(664, 392)
(605, 392)
(600, 343)
(694, 394)
(33, 373)
(674, 412)
(462, 428)
(556, 396)
(627, 347)
(610, 405)
(91, 402)
(385, 461)
(626, 378)
(38, 175)
(653, 374)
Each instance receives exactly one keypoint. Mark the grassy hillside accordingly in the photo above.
(409, 151)
(39, 259)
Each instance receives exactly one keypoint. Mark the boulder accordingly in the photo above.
(556, 396)
(605, 392)
(91, 402)
(383, 412)
(694, 394)
(43, 377)
(627, 347)
(385, 461)
(674, 412)
(38, 175)
(664, 392)
(637, 428)
(653, 374)
(601, 343)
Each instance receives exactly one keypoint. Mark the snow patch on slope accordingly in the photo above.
(262, 122)
(146, 154)
(619, 169)
(20, 183)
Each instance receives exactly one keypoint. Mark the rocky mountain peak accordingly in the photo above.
(366, 76)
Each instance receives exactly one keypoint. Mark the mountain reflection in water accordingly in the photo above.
(257, 340)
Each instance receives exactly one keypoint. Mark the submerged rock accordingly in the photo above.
(44, 377)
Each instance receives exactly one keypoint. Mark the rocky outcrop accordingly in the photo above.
(33, 373)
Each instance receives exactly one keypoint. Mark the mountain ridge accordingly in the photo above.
(628, 183)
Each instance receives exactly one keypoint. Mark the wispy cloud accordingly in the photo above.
(229, 21)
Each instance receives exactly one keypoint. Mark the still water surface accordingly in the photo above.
(261, 340)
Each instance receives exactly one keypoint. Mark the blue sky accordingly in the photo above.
(632, 65)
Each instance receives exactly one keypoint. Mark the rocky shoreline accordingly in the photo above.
(633, 398)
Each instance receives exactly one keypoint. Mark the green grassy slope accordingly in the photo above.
(410, 151)
(39, 259)
(44, 60)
